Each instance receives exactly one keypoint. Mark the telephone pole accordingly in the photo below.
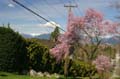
(66, 63)
(70, 6)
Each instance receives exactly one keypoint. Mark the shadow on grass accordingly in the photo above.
(3, 75)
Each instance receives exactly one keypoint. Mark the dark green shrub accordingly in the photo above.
(81, 69)
(35, 53)
(40, 58)
(54, 35)
(13, 56)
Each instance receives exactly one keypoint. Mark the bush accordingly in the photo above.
(13, 56)
(40, 58)
(81, 69)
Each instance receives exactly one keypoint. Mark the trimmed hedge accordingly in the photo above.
(40, 58)
(13, 56)
(81, 69)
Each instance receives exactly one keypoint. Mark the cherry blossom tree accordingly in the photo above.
(82, 30)
(91, 29)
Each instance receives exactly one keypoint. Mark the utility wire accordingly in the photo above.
(71, 3)
(62, 1)
(37, 19)
(35, 13)
(54, 8)
(37, 10)
(78, 7)
(75, 10)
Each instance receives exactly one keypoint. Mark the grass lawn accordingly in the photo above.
(5, 75)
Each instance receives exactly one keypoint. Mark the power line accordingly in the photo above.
(61, 14)
(54, 8)
(77, 7)
(36, 13)
(61, 1)
(37, 19)
(36, 8)
(75, 11)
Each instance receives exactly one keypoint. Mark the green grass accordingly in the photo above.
(5, 75)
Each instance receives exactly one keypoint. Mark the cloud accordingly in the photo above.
(50, 24)
(30, 29)
(35, 34)
(11, 5)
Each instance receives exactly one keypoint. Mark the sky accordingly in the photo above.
(25, 22)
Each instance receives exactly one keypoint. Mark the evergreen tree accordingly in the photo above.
(55, 34)
(13, 52)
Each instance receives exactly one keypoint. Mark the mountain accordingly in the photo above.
(43, 36)
(27, 35)
(112, 40)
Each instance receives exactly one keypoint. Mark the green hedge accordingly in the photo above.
(81, 69)
(13, 56)
(40, 58)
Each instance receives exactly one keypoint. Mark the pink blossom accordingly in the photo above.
(83, 28)
(92, 14)
(60, 50)
(102, 63)
(108, 27)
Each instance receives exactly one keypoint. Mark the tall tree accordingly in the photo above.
(84, 30)
(55, 34)
(13, 52)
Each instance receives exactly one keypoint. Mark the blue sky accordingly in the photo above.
(25, 22)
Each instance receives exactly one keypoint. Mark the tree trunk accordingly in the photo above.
(66, 64)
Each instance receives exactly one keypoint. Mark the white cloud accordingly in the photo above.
(35, 34)
(50, 24)
(30, 29)
(11, 5)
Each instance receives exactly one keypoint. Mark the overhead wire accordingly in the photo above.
(56, 10)
(62, 1)
(36, 18)
(75, 10)
(78, 8)
(36, 13)
(37, 8)
(45, 1)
